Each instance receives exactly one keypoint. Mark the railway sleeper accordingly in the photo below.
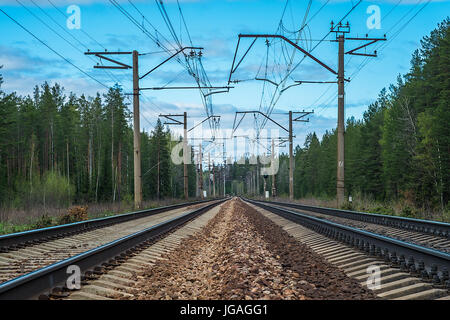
(395, 283)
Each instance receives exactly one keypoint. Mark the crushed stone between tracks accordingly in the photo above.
(242, 255)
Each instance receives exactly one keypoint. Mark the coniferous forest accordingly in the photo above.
(57, 149)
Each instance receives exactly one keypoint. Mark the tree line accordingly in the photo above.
(57, 149)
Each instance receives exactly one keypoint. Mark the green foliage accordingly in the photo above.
(6, 228)
(43, 222)
(408, 212)
(381, 210)
(56, 150)
(56, 190)
(128, 200)
(347, 206)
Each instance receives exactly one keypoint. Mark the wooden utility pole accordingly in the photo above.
(340, 124)
(137, 135)
(185, 156)
(224, 168)
(340, 31)
(200, 182)
(196, 176)
(274, 190)
(136, 120)
(214, 181)
(209, 174)
(291, 160)
(265, 183)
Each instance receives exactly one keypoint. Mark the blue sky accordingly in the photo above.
(214, 25)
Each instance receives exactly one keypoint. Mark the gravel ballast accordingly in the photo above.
(242, 255)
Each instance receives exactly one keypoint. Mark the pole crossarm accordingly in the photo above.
(290, 86)
(371, 41)
(260, 138)
(235, 54)
(264, 115)
(210, 117)
(215, 92)
(343, 29)
(101, 55)
(308, 81)
(256, 36)
(169, 58)
(302, 114)
(171, 117)
(183, 88)
(268, 80)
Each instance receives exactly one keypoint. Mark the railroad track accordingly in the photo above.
(431, 234)
(112, 254)
(406, 270)
(34, 263)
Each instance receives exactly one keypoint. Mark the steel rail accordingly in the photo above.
(425, 262)
(435, 228)
(42, 281)
(21, 239)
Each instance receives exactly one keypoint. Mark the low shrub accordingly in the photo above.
(381, 210)
(347, 206)
(408, 212)
(43, 222)
(74, 214)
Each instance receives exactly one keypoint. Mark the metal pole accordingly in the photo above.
(291, 160)
(258, 171)
(214, 181)
(185, 157)
(137, 135)
(274, 191)
(201, 171)
(209, 174)
(341, 129)
(197, 168)
(224, 166)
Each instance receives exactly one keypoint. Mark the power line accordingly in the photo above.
(85, 33)
(381, 45)
(113, 78)
(279, 92)
(51, 49)
(200, 76)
